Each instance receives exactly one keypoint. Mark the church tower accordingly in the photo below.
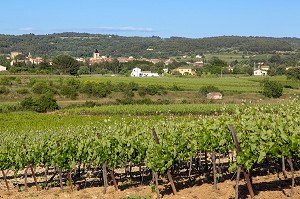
(96, 54)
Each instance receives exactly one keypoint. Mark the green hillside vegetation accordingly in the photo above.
(83, 44)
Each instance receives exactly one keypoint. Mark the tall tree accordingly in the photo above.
(66, 64)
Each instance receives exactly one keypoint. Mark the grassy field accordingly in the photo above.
(191, 83)
(235, 89)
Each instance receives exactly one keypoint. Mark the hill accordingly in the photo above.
(83, 44)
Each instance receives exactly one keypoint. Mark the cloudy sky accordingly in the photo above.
(164, 18)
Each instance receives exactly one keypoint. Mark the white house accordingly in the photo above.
(259, 72)
(2, 68)
(149, 74)
(136, 72)
(165, 70)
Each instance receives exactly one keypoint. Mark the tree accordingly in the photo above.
(66, 64)
(272, 89)
(215, 66)
(293, 73)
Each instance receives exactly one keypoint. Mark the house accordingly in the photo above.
(214, 95)
(184, 71)
(198, 63)
(136, 72)
(167, 62)
(14, 54)
(149, 74)
(290, 67)
(165, 70)
(2, 68)
(259, 72)
(264, 68)
(229, 69)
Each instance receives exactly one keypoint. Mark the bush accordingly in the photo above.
(142, 92)
(207, 89)
(95, 89)
(69, 91)
(41, 104)
(41, 88)
(7, 81)
(4, 90)
(155, 90)
(152, 89)
(22, 91)
(272, 89)
(175, 87)
(8, 108)
(128, 93)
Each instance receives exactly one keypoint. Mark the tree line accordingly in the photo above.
(83, 45)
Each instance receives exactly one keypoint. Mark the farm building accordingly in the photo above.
(214, 95)
(137, 72)
(2, 68)
(260, 72)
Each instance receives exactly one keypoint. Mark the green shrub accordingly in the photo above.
(4, 90)
(152, 89)
(133, 86)
(6, 81)
(142, 92)
(41, 104)
(175, 87)
(41, 87)
(32, 81)
(272, 89)
(95, 89)
(69, 91)
(120, 87)
(207, 89)
(22, 91)
(129, 93)
(8, 108)
(18, 80)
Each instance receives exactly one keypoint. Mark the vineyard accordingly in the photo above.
(158, 146)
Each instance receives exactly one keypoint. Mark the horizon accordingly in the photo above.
(133, 18)
(251, 36)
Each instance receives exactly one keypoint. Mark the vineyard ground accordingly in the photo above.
(266, 186)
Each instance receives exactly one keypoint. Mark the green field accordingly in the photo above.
(192, 83)
(177, 90)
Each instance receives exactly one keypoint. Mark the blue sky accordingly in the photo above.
(164, 18)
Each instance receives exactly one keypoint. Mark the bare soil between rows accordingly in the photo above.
(265, 187)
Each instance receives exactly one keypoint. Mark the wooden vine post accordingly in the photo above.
(238, 149)
(60, 179)
(168, 171)
(34, 177)
(104, 173)
(5, 179)
(70, 180)
(112, 175)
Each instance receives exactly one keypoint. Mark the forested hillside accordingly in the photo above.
(83, 44)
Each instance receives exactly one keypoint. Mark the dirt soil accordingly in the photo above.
(265, 187)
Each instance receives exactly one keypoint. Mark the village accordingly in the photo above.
(189, 68)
